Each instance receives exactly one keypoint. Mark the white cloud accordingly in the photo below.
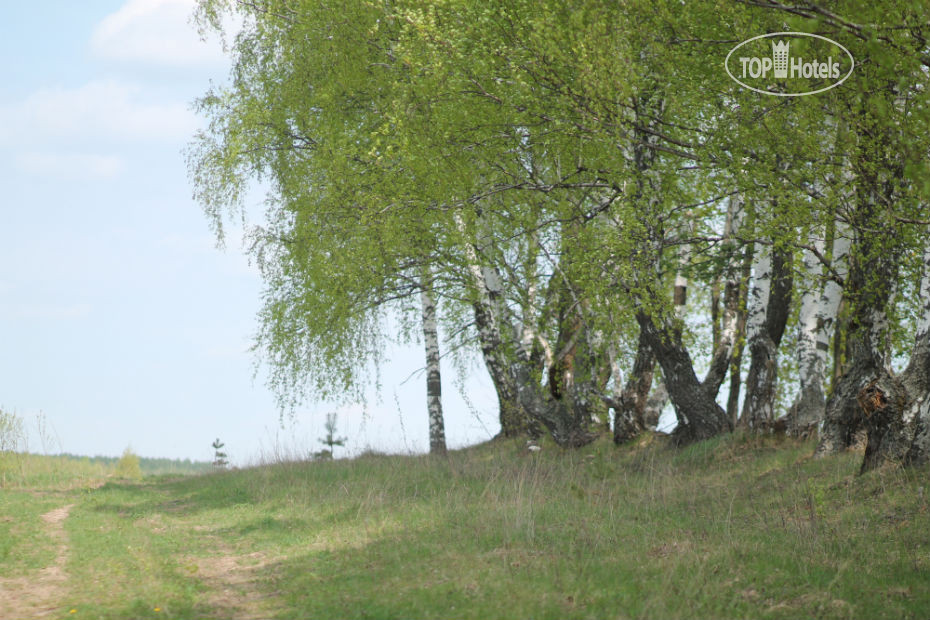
(101, 109)
(155, 32)
(70, 166)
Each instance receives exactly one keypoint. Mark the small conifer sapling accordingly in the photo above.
(330, 440)
(220, 460)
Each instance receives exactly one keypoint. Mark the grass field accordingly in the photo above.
(738, 527)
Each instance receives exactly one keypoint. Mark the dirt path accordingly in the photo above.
(36, 595)
(233, 588)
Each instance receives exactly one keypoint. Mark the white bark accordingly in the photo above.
(832, 291)
(735, 213)
(920, 409)
(723, 350)
(484, 280)
(656, 402)
(437, 433)
(920, 449)
(918, 374)
(759, 293)
(492, 283)
(616, 374)
(528, 331)
(811, 310)
(487, 284)
(681, 281)
(923, 321)
(819, 305)
(769, 303)
(488, 321)
(879, 337)
(681, 288)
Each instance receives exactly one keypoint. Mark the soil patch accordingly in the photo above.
(233, 582)
(37, 595)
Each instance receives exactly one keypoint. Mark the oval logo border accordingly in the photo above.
(726, 63)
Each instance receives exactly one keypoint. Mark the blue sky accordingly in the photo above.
(120, 321)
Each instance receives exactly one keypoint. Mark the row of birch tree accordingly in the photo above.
(578, 193)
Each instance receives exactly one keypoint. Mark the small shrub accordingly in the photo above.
(128, 465)
(46, 433)
(12, 442)
(12, 432)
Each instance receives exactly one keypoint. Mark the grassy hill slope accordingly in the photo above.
(737, 527)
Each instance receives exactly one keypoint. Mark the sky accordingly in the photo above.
(121, 322)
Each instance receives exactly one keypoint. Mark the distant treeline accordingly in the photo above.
(150, 466)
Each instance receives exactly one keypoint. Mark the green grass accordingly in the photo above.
(23, 544)
(20, 470)
(32, 471)
(737, 527)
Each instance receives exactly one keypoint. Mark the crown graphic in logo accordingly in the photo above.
(780, 59)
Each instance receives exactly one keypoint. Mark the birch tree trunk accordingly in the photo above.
(579, 370)
(736, 357)
(895, 410)
(437, 432)
(807, 410)
(917, 374)
(726, 336)
(640, 409)
(756, 304)
(820, 303)
(522, 403)
(770, 304)
(656, 401)
(514, 420)
(866, 394)
(562, 370)
(645, 406)
(630, 410)
(699, 415)
(680, 293)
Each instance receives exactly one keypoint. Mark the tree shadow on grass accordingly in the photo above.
(178, 498)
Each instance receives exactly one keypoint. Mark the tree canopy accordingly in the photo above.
(560, 176)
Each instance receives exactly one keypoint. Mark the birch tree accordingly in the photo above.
(887, 129)
(916, 417)
(558, 169)
(820, 303)
(769, 304)
(334, 259)
(437, 432)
